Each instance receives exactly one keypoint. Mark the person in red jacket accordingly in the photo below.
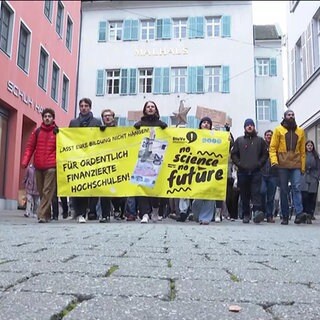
(42, 146)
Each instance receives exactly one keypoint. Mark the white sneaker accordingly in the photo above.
(160, 218)
(145, 218)
(217, 217)
(154, 217)
(81, 219)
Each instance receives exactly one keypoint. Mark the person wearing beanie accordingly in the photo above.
(208, 123)
(249, 153)
(42, 145)
(288, 155)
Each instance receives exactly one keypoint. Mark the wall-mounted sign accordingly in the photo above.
(161, 51)
(17, 92)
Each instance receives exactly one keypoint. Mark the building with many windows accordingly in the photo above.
(199, 53)
(303, 44)
(268, 76)
(39, 47)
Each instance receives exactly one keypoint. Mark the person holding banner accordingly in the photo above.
(203, 209)
(82, 205)
(249, 153)
(149, 205)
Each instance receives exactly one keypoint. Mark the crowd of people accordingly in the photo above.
(258, 168)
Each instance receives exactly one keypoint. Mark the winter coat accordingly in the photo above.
(249, 153)
(150, 121)
(42, 143)
(310, 179)
(91, 121)
(30, 181)
(287, 148)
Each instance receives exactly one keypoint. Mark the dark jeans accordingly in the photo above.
(82, 205)
(268, 190)
(249, 185)
(119, 204)
(55, 207)
(145, 205)
(309, 201)
(232, 199)
(105, 203)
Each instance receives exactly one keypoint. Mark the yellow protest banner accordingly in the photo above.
(123, 161)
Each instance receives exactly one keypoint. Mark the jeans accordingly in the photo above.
(268, 191)
(249, 185)
(203, 209)
(293, 176)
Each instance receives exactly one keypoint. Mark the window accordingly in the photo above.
(212, 79)
(213, 27)
(147, 30)
(266, 110)
(43, 69)
(145, 80)
(59, 22)
(6, 21)
(113, 81)
(48, 9)
(180, 28)
(65, 93)
(55, 82)
(179, 80)
(262, 67)
(115, 31)
(69, 34)
(24, 48)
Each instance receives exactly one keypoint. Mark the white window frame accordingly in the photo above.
(45, 84)
(65, 99)
(50, 10)
(8, 49)
(56, 96)
(263, 109)
(213, 27)
(145, 80)
(113, 81)
(179, 79)
(115, 30)
(262, 67)
(212, 78)
(69, 47)
(26, 66)
(149, 27)
(180, 28)
(60, 32)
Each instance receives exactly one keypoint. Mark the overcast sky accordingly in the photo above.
(270, 12)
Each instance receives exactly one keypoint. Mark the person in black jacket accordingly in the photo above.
(149, 205)
(249, 153)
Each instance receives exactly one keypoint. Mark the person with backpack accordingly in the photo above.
(42, 146)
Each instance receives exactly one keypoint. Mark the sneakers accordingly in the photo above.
(285, 221)
(258, 216)
(300, 218)
(42, 221)
(26, 215)
(183, 217)
(145, 218)
(81, 219)
(103, 220)
(218, 217)
(309, 219)
(160, 218)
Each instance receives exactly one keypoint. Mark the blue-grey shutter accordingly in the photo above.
(196, 27)
(133, 81)
(100, 82)
(134, 29)
(165, 119)
(273, 67)
(157, 80)
(200, 79)
(126, 30)
(200, 27)
(159, 29)
(225, 88)
(273, 111)
(166, 80)
(192, 79)
(226, 26)
(124, 81)
(102, 31)
(166, 28)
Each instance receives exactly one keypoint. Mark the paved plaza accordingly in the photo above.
(165, 270)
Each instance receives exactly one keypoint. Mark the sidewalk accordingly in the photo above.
(167, 270)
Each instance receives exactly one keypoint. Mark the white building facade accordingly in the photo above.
(303, 45)
(168, 51)
(268, 76)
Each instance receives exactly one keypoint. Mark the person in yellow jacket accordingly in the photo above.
(287, 154)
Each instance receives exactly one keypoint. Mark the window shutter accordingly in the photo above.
(166, 80)
(157, 80)
(133, 81)
(225, 79)
(124, 81)
(100, 82)
(134, 29)
(126, 30)
(166, 29)
(192, 27)
(200, 79)
(192, 77)
(226, 26)
(196, 27)
(273, 111)
(165, 119)
(273, 67)
(159, 28)
(102, 31)
(200, 27)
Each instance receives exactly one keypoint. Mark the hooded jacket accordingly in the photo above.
(287, 147)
